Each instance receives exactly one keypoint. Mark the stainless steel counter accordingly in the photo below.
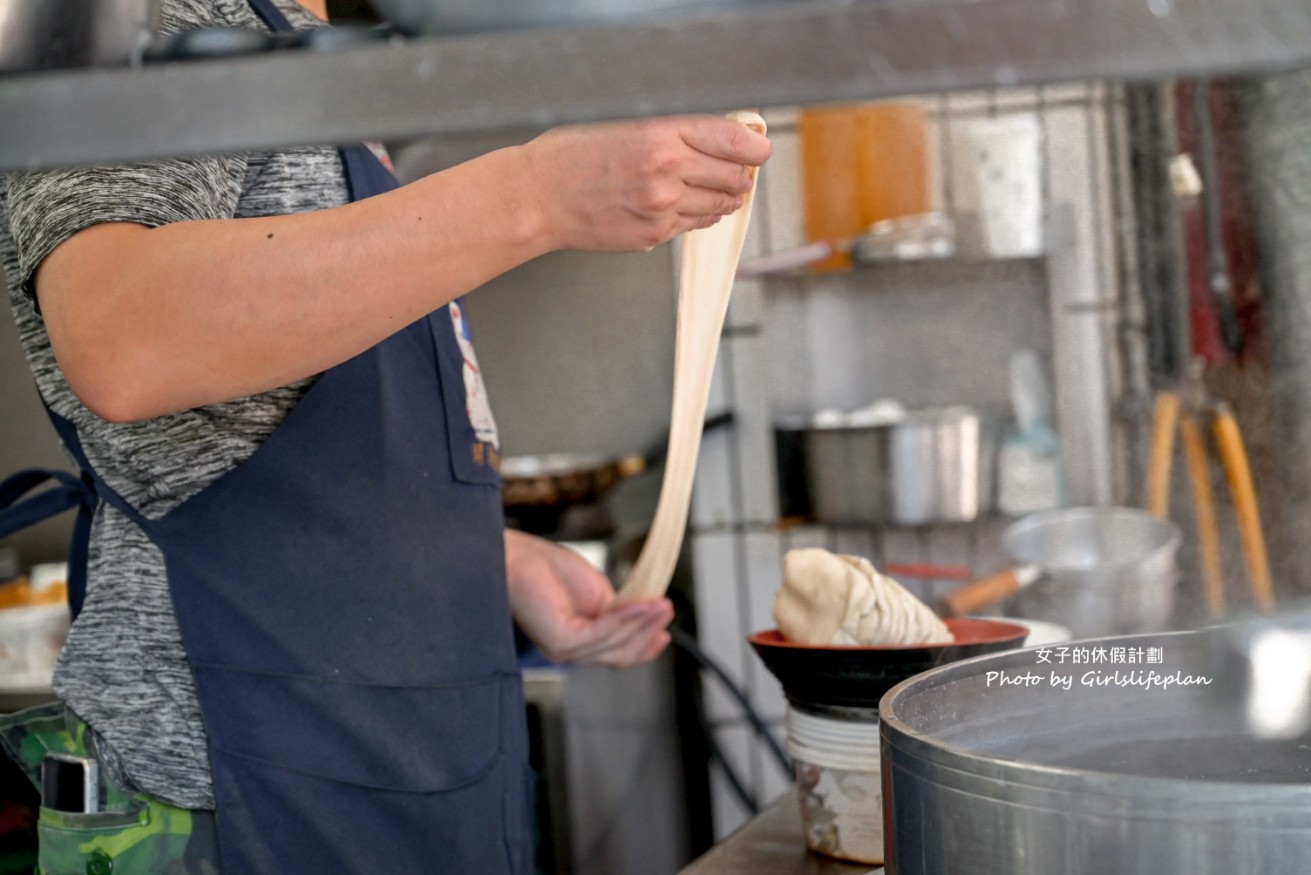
(771, 843)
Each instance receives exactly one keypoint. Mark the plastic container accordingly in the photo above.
(1031, 463)
(845, 155)
(1006, 153)
(836, 763)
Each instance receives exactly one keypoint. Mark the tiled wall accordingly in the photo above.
(922, 333)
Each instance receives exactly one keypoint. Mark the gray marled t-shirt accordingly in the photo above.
(123, 669)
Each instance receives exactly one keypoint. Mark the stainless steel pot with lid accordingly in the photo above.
(1124, 760)
(941, 466)
(885, 464)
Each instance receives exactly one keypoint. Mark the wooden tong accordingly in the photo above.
(1181, 412)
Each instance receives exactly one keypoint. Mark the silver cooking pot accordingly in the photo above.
(1101, 570)
(941, 466)
(922, 467)
(47, 34)
(1107, 776)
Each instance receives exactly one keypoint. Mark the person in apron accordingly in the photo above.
(345, 595)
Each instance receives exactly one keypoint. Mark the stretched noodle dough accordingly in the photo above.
(709, 263)
(831, 599)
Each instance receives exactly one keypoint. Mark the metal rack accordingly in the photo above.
(809, 51)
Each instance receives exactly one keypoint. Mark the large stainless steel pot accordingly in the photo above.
(917, 468)
(847, 472)
(1104, 570)
(983, 778)
(941, 464)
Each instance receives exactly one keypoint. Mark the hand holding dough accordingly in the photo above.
(830, 599)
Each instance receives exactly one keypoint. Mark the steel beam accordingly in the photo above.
(813, 51)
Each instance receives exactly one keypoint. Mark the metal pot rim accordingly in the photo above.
(1024, 524)
(896, 733)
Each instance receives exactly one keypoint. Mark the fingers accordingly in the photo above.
(638, 650)
(630, 186)
(646, 642)
(698, 203)
(717, 175)
(638, 644)
(589, 639)
(611, 651)
(629, 635)
(727, 139)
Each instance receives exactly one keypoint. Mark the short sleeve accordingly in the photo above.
(49, 207)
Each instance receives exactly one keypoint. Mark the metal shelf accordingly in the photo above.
(812, 51)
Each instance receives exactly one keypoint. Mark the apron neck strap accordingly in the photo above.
(271, 15)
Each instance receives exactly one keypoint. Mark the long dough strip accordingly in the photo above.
(709, 262)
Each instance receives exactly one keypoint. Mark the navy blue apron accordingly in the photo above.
(342, 599)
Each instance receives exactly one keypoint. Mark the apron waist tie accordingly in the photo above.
(69, 491)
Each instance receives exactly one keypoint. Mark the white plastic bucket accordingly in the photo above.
(836, 763)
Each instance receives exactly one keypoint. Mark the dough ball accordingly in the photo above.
(828, 598)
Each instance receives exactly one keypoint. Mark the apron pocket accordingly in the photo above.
(272, 820)
(412, 739)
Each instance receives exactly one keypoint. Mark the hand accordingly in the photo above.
(628, 187)
(562, 603)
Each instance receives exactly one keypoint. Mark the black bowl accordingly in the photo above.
(857, 677)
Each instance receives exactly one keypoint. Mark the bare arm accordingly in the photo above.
(148, 321)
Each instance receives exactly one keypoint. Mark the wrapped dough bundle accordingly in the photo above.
(830, 599)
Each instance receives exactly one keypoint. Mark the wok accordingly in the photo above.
(562, 478)
(537, 490)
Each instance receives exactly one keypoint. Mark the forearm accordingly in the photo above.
(148, 321)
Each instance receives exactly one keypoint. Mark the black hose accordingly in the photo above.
(734, 779)
(685, 642)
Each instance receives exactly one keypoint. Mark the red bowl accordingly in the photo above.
(857, 677)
